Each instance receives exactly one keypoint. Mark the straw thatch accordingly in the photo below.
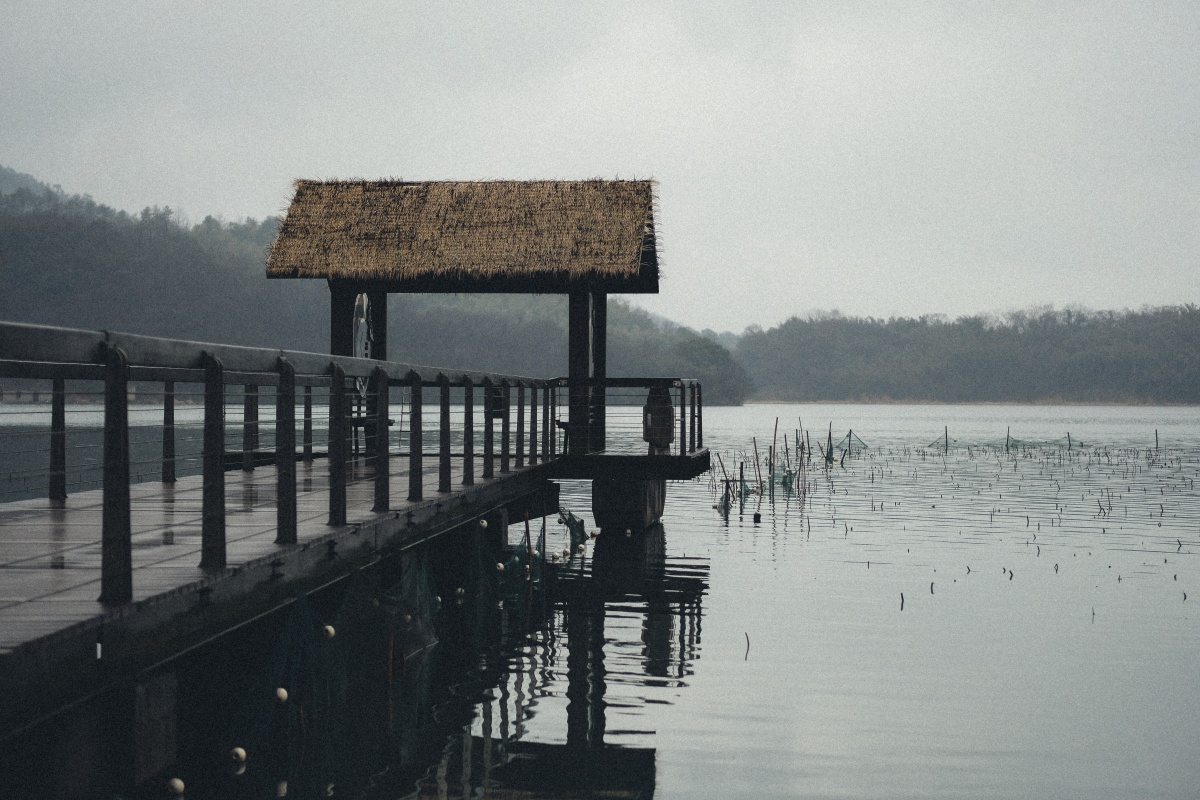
(465, 235)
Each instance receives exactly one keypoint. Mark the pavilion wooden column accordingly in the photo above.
(342, 295)
(378, 301)
(599, 370)
(579, 369)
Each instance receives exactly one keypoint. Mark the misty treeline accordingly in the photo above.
(68, 260)
(1147, 356)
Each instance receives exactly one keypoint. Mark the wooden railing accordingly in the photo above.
(362, 395)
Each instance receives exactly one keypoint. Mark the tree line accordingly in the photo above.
(68, 260)
(1045, 355)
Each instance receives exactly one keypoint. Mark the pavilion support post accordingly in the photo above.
(249, 426)
(489, 430)
(285, 454)
(444, 435)
(342, 296)
(596, 437)
(116, 540)
(468, 433)
(683, 418)
(505, 425)
(338, 419)
(699, 417)
(579, 369)
(520, 424)
(168, 433)
(58, 441)
(381, 453)
(416, 451)
(212, 516)
(533, 424)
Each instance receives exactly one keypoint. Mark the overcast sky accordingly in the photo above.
(875, 158)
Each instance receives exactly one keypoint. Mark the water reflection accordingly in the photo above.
(460, 669)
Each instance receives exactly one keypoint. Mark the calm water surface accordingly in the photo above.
(913, 624)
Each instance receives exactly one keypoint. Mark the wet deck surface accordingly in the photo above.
(50, 554)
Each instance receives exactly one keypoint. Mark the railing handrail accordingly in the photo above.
(46, 345)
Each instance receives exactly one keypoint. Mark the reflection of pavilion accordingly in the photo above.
(628, 577)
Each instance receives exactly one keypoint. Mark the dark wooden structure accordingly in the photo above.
(585, 239)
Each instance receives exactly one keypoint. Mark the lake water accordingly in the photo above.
(977, 623)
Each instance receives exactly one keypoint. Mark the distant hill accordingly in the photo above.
(68, 260)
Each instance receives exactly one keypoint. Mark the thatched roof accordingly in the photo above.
(514, 236)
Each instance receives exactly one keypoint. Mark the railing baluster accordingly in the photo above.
(337, 445)
(116, 548)
(468, 433)
(520, 424)
(505, 437)
(285, 454)
(249, 426)
(444, 435)
(212, 523)
(308, 436)
(58, 441)
(416, 477)
(489, 414)
(168, 434)
(547, 422)
(382, 449)
(692, 420)
(682, 418)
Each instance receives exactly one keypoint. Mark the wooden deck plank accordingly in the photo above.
(50, 554)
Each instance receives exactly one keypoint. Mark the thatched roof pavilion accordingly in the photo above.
(472, 236)
(580, 238)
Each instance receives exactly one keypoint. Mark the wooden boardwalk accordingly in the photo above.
(50, 552)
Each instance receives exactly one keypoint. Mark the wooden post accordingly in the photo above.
(285, 454)
(579, 369)
(520, 424)
(597, 421)
(444, 436)
(116, 547)
(533, 430)
(468, 433)
(699, 416)
(381, 452)
(547, 421)
(212, 523)
(505, 416)
(554, 413)
(338, 419)
(58, 441)
(168, 435)
(489, 430)
(415, 442)
(342, 296)
(249, 426)
(692, 421)
(308, 446)
(377, 307)
(682, 418)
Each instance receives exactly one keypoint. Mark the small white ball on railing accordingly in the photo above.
(483, 523)
(281, 694)
(175, 785)
(499, 566)
(329, 632)
(237, 754)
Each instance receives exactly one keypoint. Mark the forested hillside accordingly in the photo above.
(1032, 356)
(68, 260)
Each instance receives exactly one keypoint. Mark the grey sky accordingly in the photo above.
(876, 158)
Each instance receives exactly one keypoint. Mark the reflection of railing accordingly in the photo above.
(622, 412)
(360, 396)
